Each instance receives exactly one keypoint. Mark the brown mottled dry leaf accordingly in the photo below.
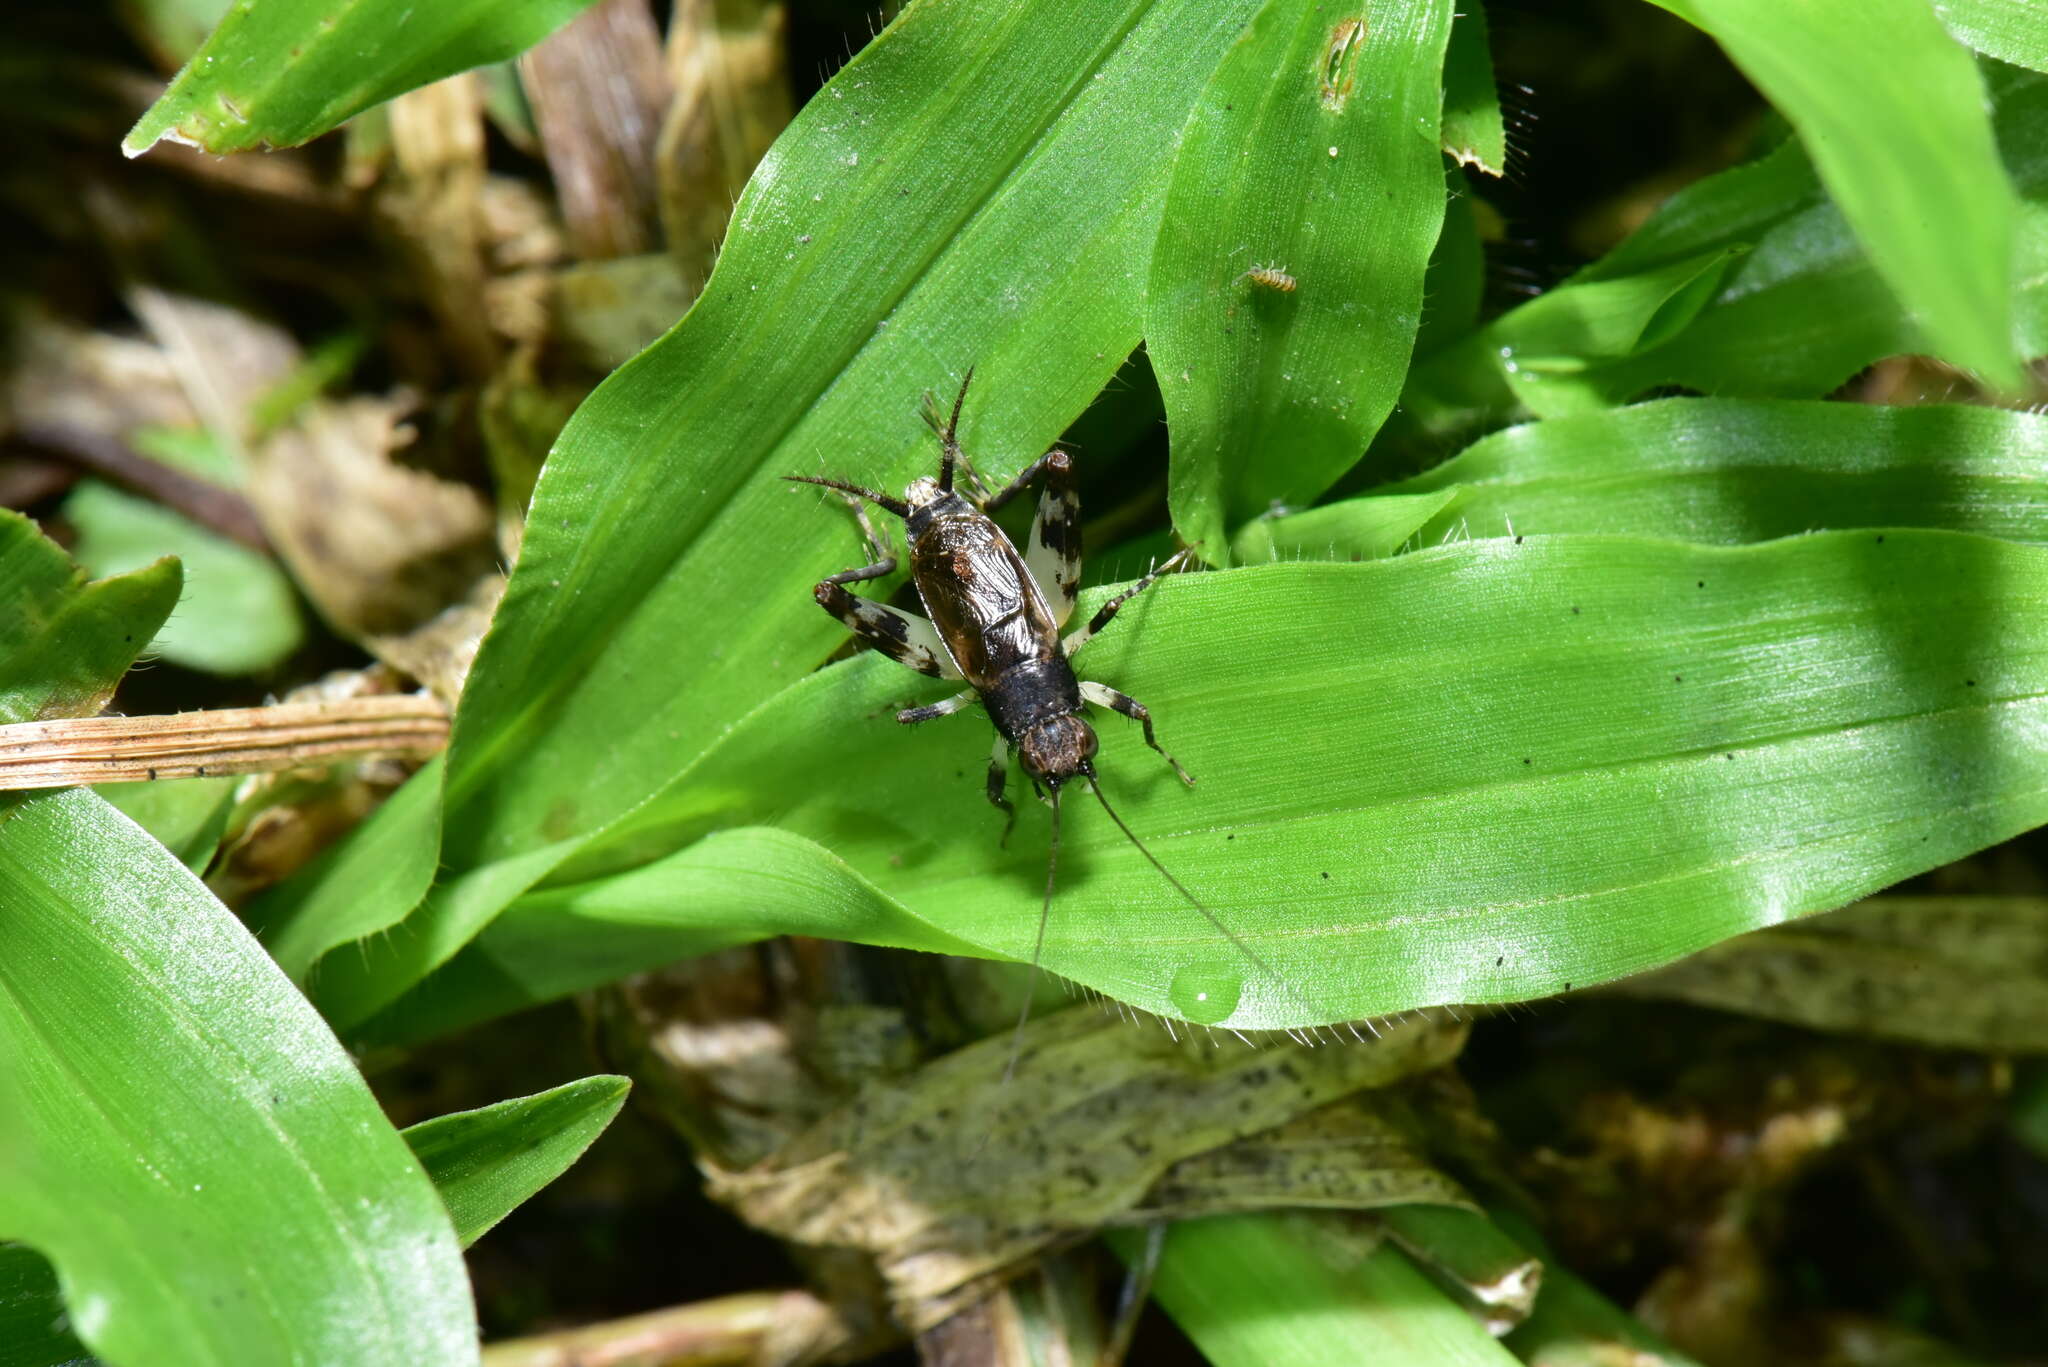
(1353, 1154)
(431, 205)
(951, 1178)
(729, 63)
(395, 558)
(597, 88)
(1961, 972)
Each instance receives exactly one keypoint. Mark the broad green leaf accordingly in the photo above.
(278, 72)
(1722, 470)
(907, 226)
(483, 1162)
(183, 1138)
(1252, 1290)
(1473, 132)
(1312, 153)
(1892, 110)
(2010, 30)
(1632, 749)
(238, 614)
(34, 1328)
(487, 1161)
(186, 815)
(64, 642)
(1798, 312)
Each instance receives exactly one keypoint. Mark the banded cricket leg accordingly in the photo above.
(945, 707)
(1054, 553)
(1105, 614)
(906, 638)
(1102, 695)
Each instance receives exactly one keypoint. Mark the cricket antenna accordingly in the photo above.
(1165, 873)
(949, 434)
(1052, 865)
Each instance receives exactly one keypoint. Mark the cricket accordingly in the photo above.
(993, 622)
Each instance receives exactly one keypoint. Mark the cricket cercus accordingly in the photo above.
(993, 624)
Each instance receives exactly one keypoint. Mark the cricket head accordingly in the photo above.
(1058, 749)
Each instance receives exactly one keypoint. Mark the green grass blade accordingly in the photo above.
(487, 1161)
(2010, 30)
(1800, 309)
(1892, 111)
(1253, 1290)
(1473, 132)
(1649, 747)
(187, 815)
(359, 887)
(1572, 1325)
(1720, 470)
(278, 72)
(64, 642)
(1313, 151)
(183, 1137)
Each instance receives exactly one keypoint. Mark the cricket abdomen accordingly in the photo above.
(1031, 693)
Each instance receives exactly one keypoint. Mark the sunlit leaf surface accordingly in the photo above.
(65, 642)
(183, 1137)
(1287, 283)
(1892, 111)
(277, 72)
(1488, 771)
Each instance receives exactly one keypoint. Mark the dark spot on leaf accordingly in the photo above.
(1326, 875)
(1880, 538)
(1518, 540)
(1500, 960)
(1526, 760)
(1702, 584)
(1969, 683)
(1678, 678)
(1575, 611)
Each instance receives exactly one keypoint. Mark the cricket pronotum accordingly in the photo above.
(993, 624)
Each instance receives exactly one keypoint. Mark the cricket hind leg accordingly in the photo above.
(1102, 695)
(906, 638)
(998, 786)
(1105, 614)
(1053, 554)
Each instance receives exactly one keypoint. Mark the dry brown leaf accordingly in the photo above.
(392, 557)
(729, 63)
(597, 88)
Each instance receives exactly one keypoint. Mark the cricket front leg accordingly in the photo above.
(998, 786)
(1102, 695)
